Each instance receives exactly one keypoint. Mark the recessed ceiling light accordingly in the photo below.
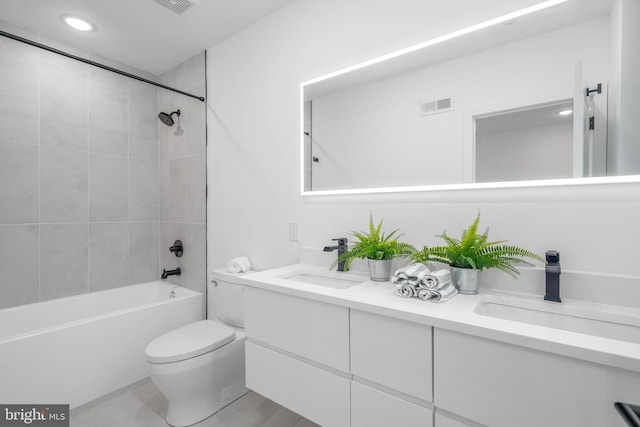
(77, 23)
(565, 112)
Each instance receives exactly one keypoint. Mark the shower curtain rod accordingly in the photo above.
(95, 64)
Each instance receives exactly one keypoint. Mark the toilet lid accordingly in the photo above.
(189, 341)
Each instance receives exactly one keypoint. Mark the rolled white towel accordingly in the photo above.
(399, 278)
(425, 294)
(435, 279)
(406, 290)
(409, 274)
(238, 265)
(445, 292)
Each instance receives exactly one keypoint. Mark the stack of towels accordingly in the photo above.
(416, 280)
(238, 265)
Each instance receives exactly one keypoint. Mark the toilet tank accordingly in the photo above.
(225, 298)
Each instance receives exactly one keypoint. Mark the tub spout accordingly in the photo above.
(167, 273)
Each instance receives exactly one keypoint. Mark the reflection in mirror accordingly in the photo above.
(528, 144)
(411, 119)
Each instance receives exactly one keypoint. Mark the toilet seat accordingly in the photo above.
(189, 341)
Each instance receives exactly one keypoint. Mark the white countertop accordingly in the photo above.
(456, 314)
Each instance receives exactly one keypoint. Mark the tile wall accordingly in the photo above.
(80, 174)
(183, 174)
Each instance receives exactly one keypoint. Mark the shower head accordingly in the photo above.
(167, 119)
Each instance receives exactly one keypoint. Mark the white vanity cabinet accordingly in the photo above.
(391, 368)
(354, 364)
(503, 385)
(297, 354)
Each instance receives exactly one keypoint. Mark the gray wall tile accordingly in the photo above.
(57, 109)
(64, 262)
(64, 184)
(174, 141)
(15, 49)
(143, 252)
(143, 128)
(194, 71)
(18, 183)
(108, 78)
(108, 188)
(196, 181)
(144, 190)
(165, 191)
(175, 77)
(108, 255)
(194, 124)
(178, 190)
(194, 259)
(143, 89)
(19, 264)
(108, 110)
(169, 233)
(19, 101)
(63, 110)
(60, 63)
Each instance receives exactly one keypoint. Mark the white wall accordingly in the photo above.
(381, 124)
(254, 154)
(541, 152)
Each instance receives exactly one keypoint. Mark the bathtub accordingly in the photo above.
(73, 350)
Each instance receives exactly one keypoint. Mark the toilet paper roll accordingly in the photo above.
(238, 265)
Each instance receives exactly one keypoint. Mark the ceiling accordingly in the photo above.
(525, 118)
(140, 33)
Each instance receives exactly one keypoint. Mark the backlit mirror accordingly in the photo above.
(534, 95)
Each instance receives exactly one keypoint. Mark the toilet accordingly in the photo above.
(200, 367)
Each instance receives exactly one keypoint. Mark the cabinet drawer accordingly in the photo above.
(373, 408)
(503, 385)
(393, 353)
(314, 393)
(310, 329)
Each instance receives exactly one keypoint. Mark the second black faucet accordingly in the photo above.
(552, 276)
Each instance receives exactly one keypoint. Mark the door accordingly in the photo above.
(589, 126)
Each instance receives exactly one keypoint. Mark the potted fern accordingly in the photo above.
(472, 253)
(378, 248)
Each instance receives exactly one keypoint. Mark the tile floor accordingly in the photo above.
(142, 405)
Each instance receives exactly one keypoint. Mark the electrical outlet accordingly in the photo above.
(294, 232)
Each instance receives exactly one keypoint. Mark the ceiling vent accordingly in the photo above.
(178, 7)
(437, 106)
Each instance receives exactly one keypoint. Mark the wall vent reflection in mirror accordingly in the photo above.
(437, 106)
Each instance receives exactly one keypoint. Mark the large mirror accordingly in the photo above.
(550, 94)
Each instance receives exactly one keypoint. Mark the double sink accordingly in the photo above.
(598, 320)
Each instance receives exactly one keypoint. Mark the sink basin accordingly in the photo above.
(584, 318)
(329, 279)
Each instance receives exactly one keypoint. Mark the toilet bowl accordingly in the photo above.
(200, 367)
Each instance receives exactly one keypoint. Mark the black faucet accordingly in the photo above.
(167, 273)
(552, 276)
(341, 247)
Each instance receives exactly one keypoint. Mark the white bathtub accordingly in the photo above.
(73, 350)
